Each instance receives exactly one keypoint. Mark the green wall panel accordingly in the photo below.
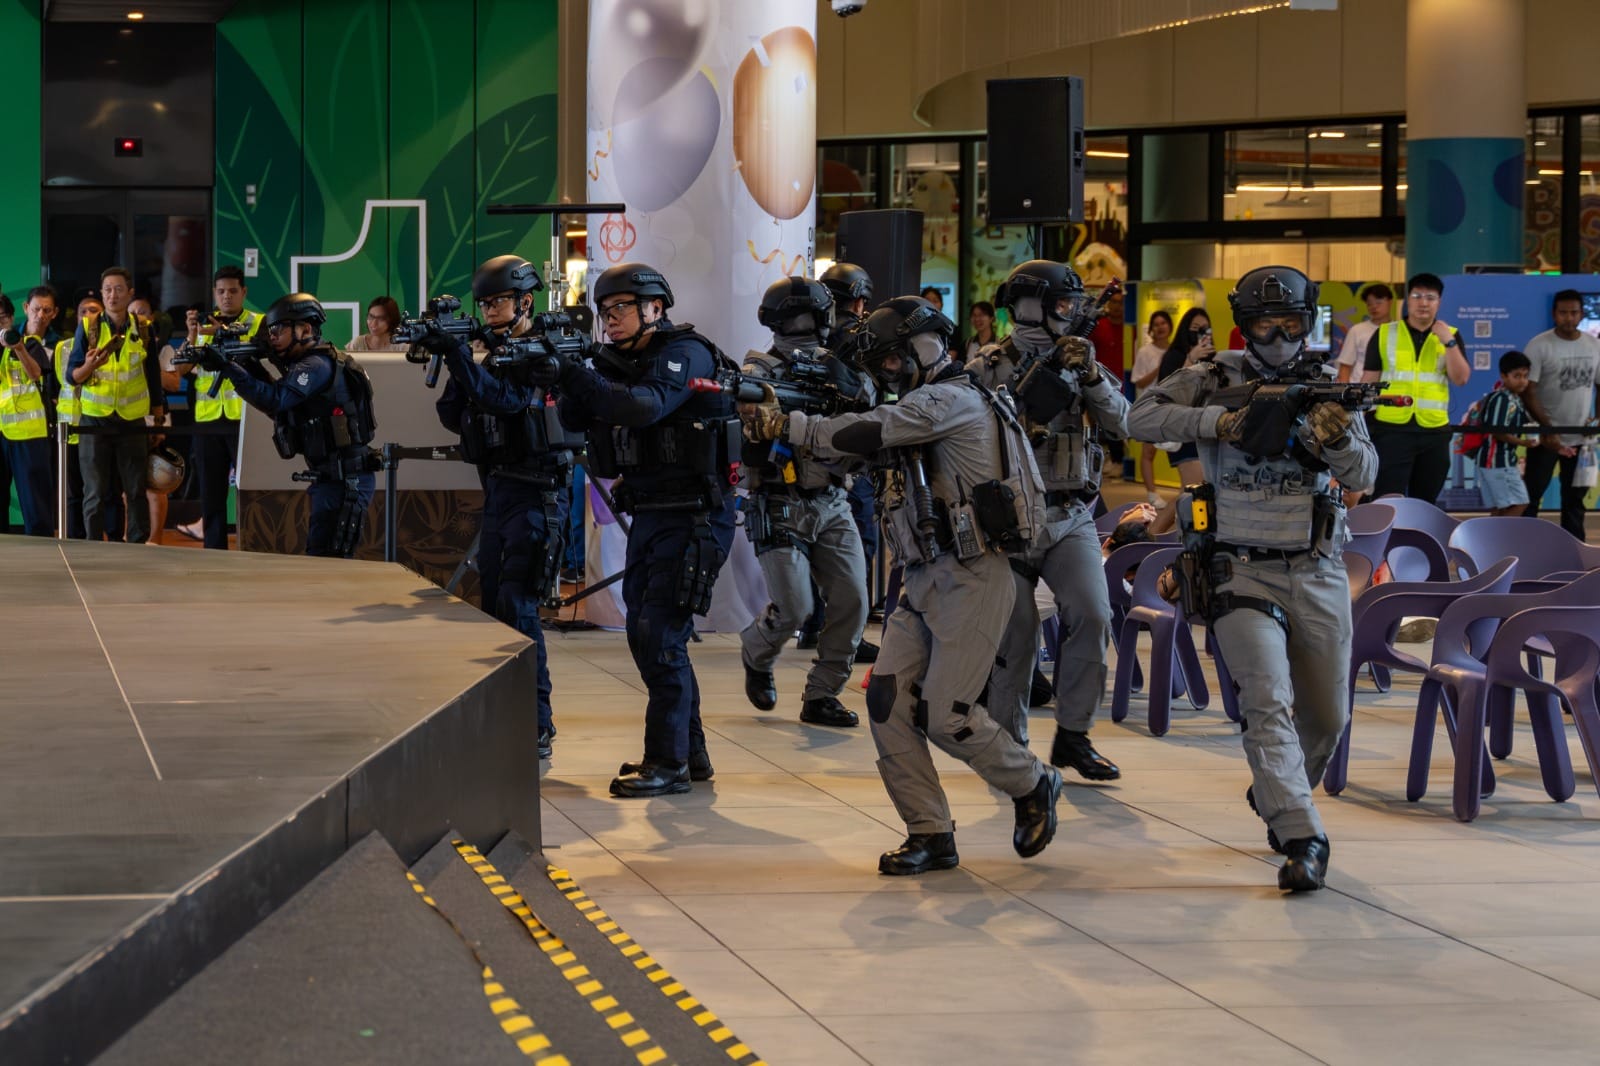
(20, 178)
(347, 101)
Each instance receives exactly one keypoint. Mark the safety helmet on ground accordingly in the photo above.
(1041, 292)
(1275, 308)
(794, 306)
(847, 282)
(164, 469)
(912, 328)
(505, 273)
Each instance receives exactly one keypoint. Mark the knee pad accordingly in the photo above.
(880, 697)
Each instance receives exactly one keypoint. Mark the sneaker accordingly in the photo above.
(1157, 500)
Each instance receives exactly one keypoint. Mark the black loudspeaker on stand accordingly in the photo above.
(888, 246)
(1036, 150)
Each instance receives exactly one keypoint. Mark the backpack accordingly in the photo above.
(1471, 441)
(1011, 510)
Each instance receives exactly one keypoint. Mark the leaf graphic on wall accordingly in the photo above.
(252, 137)
(514, 157)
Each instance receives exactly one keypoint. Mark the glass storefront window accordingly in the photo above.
(1541, 236)
(1294, 172)
(1588, 235)
(847, 181)
(927, 177)
(1098, 246)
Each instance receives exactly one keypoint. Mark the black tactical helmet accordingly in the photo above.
(505, 273)
(847, 282)
(638, 279)
(1273, 290)
(890, 330)
(789, 297)
(295, 307)
(1047, 280)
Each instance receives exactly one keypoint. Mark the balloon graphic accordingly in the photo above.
(659, 154)
(775, 121)
(639, 50)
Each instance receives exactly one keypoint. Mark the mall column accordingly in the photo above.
(1466, 124)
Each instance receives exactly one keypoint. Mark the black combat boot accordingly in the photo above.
(920, 853)
(1272, 838)
(827, 710)
(1073, 749)
(1036, 815)
(760, 687)
(1040, 690)
(866, 653)
(547, 737)
(646, 779)
(699, 767)
(1305, 864)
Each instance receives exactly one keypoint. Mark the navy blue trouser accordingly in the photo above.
(658, 629)
(327, 499)
(32, 472)
(514, 519)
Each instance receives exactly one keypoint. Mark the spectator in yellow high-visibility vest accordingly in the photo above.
(27, 398)
(120, 389)
(213, 455)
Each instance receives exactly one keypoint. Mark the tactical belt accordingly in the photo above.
(1248, 552)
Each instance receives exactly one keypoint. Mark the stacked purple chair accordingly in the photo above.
(1376, 616)
(1421, 526)
(1171, 645)
(1472, 678)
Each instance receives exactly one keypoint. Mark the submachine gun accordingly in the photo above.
(815, 384)
(1039, 390)
(551, 343)
(1276, 407)
(444, 314)
(229, 344)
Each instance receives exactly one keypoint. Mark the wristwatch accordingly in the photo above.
(1453, 341)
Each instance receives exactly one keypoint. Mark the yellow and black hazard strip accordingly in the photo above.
(657, 974)
(514, 1021)
(628, 1030)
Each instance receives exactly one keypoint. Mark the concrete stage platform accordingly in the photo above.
(188, 738)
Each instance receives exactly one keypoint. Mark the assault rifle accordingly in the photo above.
(1274, 408)
(816, 386)
(546, 348)
(1039, 390)
(229, 344)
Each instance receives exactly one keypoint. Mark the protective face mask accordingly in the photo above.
(928, 349)
(1028, 311)
(1276, 353)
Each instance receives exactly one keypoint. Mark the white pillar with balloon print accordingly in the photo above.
(702, 121)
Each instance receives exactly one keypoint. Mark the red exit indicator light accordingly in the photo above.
(129, 147)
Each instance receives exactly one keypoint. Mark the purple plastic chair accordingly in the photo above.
(1172, 645)
(1128, 557)
(1374, 619)
(1541, 547)
(1370, 525)
(1470, 681)
(1420, 525)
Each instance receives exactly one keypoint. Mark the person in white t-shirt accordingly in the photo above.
(1561, 392)
(1379, 298)
(1146, 370)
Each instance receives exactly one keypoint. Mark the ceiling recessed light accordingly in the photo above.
(1538, 144)
(136, 15)
(1333, 134)
(1374, 144)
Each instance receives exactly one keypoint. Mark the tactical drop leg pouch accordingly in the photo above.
(697, 573)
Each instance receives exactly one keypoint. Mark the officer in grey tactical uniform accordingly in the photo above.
(1044, 299)
(949, 445)
(798, 520)
(1280, 604)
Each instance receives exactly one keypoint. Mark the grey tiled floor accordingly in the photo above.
(1151, 930)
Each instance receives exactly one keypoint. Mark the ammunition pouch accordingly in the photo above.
(995, 506)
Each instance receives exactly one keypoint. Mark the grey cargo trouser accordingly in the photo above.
(826, 548)
(1069, 563)
(938, 648)
(1292, 687)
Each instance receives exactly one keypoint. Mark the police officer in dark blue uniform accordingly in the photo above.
(522, 454)
(321, 408)
(673, 449)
